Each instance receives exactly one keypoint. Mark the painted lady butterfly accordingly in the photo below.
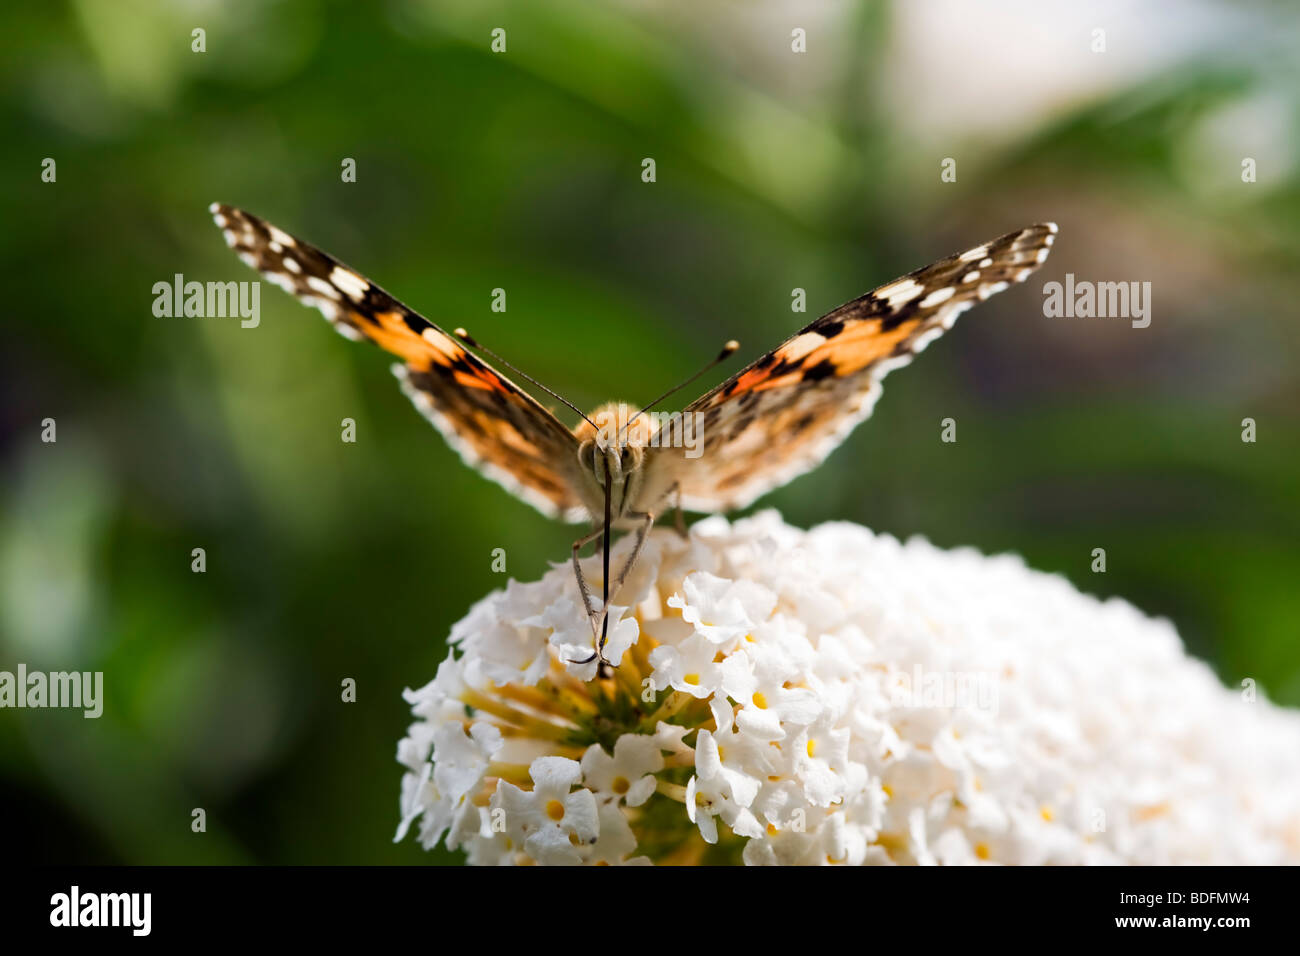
(769, 423)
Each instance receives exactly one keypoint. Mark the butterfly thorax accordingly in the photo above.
(613, 437)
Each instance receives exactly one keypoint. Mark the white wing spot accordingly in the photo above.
(349, 282)
(979, 252)
(283, 238)
(971, 276)
(323, 287)
(900, 292)
(331, 312)
(284, 282)
(925, 338)
(885, 366)
(937, 296)
(292, 265)
(948, 318)
(802, 345)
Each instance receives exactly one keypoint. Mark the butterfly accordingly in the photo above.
(621, 467)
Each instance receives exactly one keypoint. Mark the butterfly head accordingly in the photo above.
(616, 435)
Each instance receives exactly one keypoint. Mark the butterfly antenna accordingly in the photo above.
(472, 343)
(727, 349)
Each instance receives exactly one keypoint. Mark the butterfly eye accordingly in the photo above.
(588, 457)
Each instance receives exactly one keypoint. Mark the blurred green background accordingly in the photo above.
(522, 170)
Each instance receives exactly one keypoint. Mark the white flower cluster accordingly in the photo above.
(835, 696)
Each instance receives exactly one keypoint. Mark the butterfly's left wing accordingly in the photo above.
(781, 416)
(493, 424)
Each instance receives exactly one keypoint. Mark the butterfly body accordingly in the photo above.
(611, 438)
(774, 420)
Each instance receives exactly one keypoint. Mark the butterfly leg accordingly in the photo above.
(582, 580)
(647, 520)
(679, 522)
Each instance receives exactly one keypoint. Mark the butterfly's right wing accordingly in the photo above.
(785, 412)
(493, 424)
